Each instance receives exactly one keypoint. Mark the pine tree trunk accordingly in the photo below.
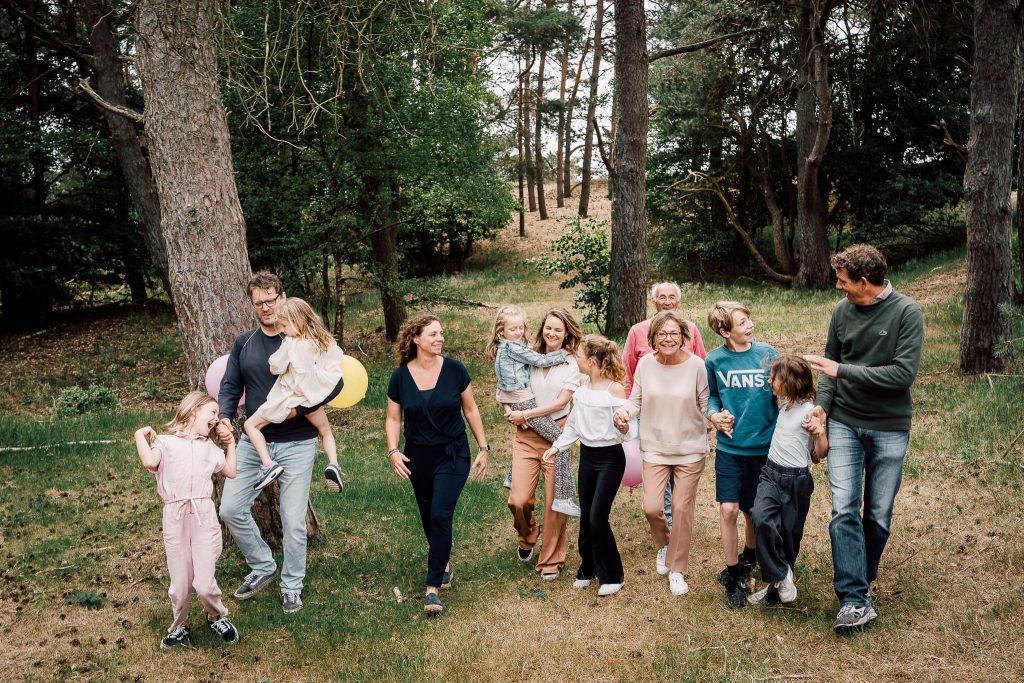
(626, 295)
(569, 108)
(538, 138)
(560, 133)
(190, 155)
(813, 128)
(588, 141)
(521, 164)
(135, 168)
(381, 202)
(527, 144)
(1020, 184)
(987, 183)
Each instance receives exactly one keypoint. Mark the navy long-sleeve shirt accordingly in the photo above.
(248, 371)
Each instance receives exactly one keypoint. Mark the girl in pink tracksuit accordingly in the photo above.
(183, 461)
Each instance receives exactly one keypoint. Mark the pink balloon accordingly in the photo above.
(214, 375)
(634, 473)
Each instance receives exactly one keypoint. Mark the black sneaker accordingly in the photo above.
(432, 603)
(335, 478)
(267, 475)
(748, 560)
(736, 592)
(175, 638)
(252, 585)
(291, 601)
(225, 629)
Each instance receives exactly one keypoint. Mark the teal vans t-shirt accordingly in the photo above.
(738, 382)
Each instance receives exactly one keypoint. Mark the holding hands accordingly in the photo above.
(723, 421)
(621, 420)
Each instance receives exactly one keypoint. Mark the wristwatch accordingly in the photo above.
(486, 447)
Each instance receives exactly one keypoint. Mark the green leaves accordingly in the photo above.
(584, 254)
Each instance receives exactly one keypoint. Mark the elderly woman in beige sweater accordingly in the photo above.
(670, 393)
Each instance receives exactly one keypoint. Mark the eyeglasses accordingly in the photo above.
(269, 303)
(668, 335)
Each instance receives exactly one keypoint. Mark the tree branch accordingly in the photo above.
(601, 149)
(693, 47)
(716, 189)
(86, 89)
(47, 34)
(947, 139)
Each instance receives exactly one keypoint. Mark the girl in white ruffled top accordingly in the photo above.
(602, 460)
(308, 368)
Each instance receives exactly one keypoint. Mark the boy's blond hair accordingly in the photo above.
(720, 317)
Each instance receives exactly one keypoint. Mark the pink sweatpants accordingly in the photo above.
(193, 542)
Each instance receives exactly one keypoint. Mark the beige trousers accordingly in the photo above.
(684, 505)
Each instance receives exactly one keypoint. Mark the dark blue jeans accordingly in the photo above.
(437, 481)
(601, 470)
(859, 460)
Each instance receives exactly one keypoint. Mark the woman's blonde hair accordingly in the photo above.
(193, 401)
(305, 321)
(573, 331)
(658, 322)
(405, 347)
(795, 378)
(605, 353)
(505, 313)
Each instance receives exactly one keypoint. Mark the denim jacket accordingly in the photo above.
(513, 361)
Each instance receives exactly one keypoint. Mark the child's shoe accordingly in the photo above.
(582, 583)
(175, 638)
(677, 584)
(335, 478)
(607, 589)
(736, 588)
(567, 506)
(787, 589)
(225, 629)
(267, 475)
(508, 478)
(769, 595)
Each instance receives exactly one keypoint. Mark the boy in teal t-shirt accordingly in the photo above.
(741, 407)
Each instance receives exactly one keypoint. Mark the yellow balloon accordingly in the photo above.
(356, 382)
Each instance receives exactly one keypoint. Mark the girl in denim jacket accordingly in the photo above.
(512, 362)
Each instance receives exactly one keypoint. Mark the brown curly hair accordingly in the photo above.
(405, 347)
(861, 261)
(605, 353)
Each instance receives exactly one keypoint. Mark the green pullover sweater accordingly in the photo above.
(878, 348)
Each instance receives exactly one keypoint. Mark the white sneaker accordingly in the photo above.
(786, 587)
(582, 583)
(567, 506)
(660, 561)
(677, 584)
(607, 589)
(760, 596)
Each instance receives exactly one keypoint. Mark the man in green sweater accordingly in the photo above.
(872, 355)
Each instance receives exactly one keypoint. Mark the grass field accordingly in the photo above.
(86, 517)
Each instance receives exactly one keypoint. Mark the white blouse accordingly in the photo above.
(546, 388)
(591, 420)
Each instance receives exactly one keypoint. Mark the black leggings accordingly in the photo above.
(601, 470)
(437, 481)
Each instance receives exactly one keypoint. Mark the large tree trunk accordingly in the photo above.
(521, 162)
(1020, 184)
(127, 146)
(626, 295)
(190, 155)
(813, 128)
(527, 145)
(381, 202)
(987, 183)
(538, 138)
(560, 133)
(588, 142)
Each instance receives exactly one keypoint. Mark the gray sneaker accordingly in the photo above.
(853, 616)
(272, 472)
(252, 585)
(291, 601)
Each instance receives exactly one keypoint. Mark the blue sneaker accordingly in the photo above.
(432, 603)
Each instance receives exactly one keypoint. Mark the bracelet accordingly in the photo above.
(392, 452)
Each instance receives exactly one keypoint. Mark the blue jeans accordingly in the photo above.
(297, 459)
(873, 460)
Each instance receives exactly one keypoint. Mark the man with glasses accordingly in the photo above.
(666, 296)
(292, 444)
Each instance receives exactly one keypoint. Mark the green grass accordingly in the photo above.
(86, 518)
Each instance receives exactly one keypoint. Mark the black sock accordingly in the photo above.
(748, 554)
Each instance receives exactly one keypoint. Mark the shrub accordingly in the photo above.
(584, 255)
(89, 599)
(78, 401)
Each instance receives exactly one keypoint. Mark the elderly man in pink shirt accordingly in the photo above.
(666, 296)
